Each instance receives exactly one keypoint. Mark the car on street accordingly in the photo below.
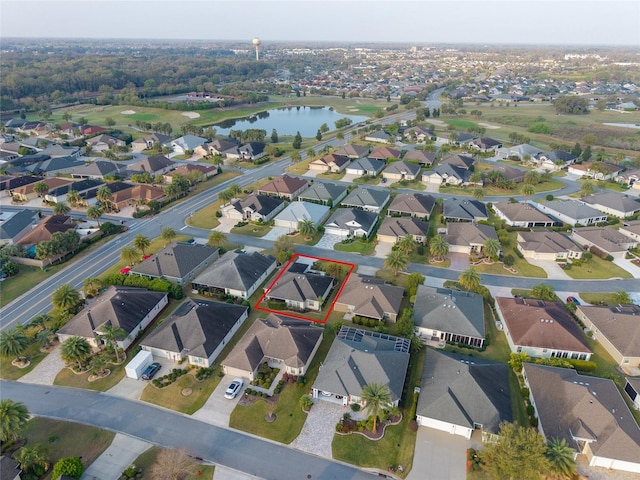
(573, 300)
(151, 371)
(234, 388)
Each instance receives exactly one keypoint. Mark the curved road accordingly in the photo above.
(163, 427)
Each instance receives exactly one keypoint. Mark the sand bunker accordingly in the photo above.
(490, 127)
(437, 123)
(190, 114)
(128, 112)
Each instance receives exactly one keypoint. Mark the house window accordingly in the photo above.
(519, 350)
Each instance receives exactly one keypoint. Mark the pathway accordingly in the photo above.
(628, 266)
(217, 409)
(47, 370)
(114, 460)
(554, 271)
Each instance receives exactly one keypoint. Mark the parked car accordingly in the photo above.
(234, 388)
(573, 300)
(151, 371)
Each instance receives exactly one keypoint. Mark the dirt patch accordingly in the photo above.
(190, 114)
(93, 378)
(128, 112)
(489, 126)
(248, 400)
(21, 363)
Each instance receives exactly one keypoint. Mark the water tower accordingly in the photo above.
(256, 42)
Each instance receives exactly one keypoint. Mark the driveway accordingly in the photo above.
(276, 232)
(217, 409)
(328, 240)
(311, 173)
(628, 266)
(116, 458)
(554, 271)
(459, 261)
(349, 177)
(226, 224)
(46, 371)
(441, 454)
(383, 249)
(132, 389)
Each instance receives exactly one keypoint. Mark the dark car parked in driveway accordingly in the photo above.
(150, 371)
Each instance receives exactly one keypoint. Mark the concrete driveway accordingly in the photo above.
(276, 232)
(217, 409)
(328, 240)
(383, 249)
(132, 389)
(226, 224)
(440, 454)
(116, 458)
(552, 268)
(459, 261)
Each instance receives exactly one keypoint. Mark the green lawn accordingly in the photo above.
(415, 185)
(357, 246)
(289, 416)
(68, 378)
(303, 240)
(9, 372)
(491, 191)
(26, 279)
(301, 167)
(523, 267)
(252, 230)
(367, 180)
(171, 396)
(146, 460)
(332, 176)
(597, 268)
(460, 123)
(67, 439)
(599, 298)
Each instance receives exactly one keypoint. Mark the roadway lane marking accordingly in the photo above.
(186, 226)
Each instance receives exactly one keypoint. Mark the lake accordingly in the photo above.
(288, 121)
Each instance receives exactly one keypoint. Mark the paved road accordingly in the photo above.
(173, 430)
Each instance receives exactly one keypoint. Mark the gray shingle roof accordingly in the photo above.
(361, 197)
(402, 168)
(236, 271)
(460, 161)
(419, 204)
(464, 391)
(464, 209)
(619, 325)
(176, 260)
(572, 209)
(367, 165)
(261, 204)
(352, 151)
(400, 226)
(342, 216)
(300, 287)
(197, 327)
(321, 191)
(466, 234)
(300, 211)
(17, 223)
(546, 242)
(615, 201)
(451, 311)
(371, 297)
(521, 212)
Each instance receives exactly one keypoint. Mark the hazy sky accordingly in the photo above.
(560, 22)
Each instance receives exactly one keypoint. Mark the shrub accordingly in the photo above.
(530, 410)
(550, 198)
(306, 402)
(355, 407)
(68, 466)
(339, 427)
(583, 365)
(302, 380)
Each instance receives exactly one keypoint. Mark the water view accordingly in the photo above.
(288, 121)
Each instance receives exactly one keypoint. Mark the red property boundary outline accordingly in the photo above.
(284, 313)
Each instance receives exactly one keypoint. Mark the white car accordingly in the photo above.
(234, 388)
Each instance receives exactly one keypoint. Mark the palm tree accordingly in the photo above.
(295, 156)
(13, 343)
(406, 244)
(32, 459)
(376, 398)
(41, 188)
(561, 459)
(168, 234)
(61, 208)
(217, 239)
(111, 336)
(141, 243)
(491, 247)
(307, 228)
(129, 254)
(439, 246)
(478, 193)
(13, 416)
(39, 321)
(105, 197)
(470, 279)
(73, 197)
(527, 190)
(43, 337)
(532, 177)
(65, 297)
(92, 286)
(396, 261)
(587, 188)
(75, 349)
(94, 213)
(235, 189)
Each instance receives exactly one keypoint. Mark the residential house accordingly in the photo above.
(26, 193)
(464, 210)
(384, 153)
(485, 144)
(91, 129)
(510, 174)
(330, 163)
(449, 315)
(236, 273)
(186, 142)
(197, 332)
(606, 239)
(418, 133)
(301, 291)
(45, 229)
(456, 138)
(219, 146)
(611, 203)
(284, 187)
(401, 170)
(554, 160)
(177, 262)
(596, 170)
(519, 152)
(352, 151)
(629, 177)
(522, 215)
(15, 225)
(379, 136)
(257, 208)
(136, 195)
(9, 468)
(153, 164)
(369, 199)
(351, 222)
(102, 143)
(547, 246)
(617, 329)
(460, 161)
(370, 297)
(297, 212)
(365, 166)
(252, 151)
(284, 343)
(131, 309)
(469, 238)
(460, 394)
(97, 170)
(631, 229)
(393, 229)
(358, 358)
(324, 193)
(413, 204)
(572, 212)
(86, 189)
(425, 159)
(9, 183)
(54, 150)
(188, 169)
(149, 142)
(541, 329)
(632, 389)
(51, 167)
(586, 411)
(449, 175)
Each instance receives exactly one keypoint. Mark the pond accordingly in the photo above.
(288, 121)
